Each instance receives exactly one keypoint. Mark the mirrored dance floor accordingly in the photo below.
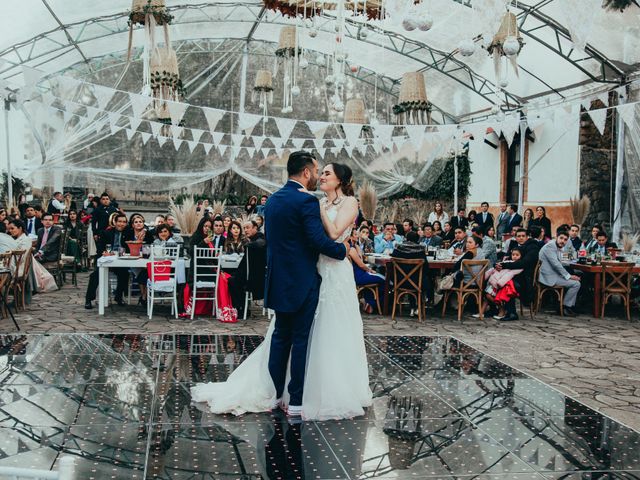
(120, 405)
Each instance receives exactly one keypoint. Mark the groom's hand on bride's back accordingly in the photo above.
(347, 245)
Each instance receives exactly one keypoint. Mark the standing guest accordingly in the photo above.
(542, 221)
(438, 214)
(595, 230)
(553, 273)
(235, 240)
(412, 250)
(437, 229)
(22, 205)
(472, 219)
(365, 244)
(363, 274)
(56, 204)
(459, 242)
(527, 216)
(250, 207)
(260, 222)
(515, 219)
(48, 244)
(69, 203)
(112, 238)
(484, 218)
(88, 202)
(407, 226)
(489, 250)
(387, 240)
(73, 228)
(260, 208)
(574, 237)
(33, 223)
(448, 233)
(502, 226)
(460, 220)
(429, 238)
(101, 215)
(171, 223)
(602, 245)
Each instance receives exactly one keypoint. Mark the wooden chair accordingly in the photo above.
(20, 279)
(540, 290)
(474, 287)
(616, 281)
(373, 288)
(67, 263)
(404, 284)
(5, 283)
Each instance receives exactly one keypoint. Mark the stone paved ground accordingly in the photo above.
(596, 361)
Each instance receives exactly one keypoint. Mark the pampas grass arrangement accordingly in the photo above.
(368, 200)
(580, 209)
(218, 208)
(186, 215)
(630, 241)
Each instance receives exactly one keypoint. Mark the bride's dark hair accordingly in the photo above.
(345, 175)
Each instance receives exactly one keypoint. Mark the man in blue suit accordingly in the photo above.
(295, 238)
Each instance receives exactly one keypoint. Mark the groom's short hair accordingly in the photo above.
(298, 161)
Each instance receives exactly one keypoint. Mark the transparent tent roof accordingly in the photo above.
(55, 35)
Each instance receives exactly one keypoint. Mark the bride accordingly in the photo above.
(336, 381)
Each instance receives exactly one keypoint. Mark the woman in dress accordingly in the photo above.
(235, 241)
(137, 232)
(438, 214)
(527, 216)
(542, 221)
(74, 230)
(331, 391)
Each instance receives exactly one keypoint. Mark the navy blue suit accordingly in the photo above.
(295, 239)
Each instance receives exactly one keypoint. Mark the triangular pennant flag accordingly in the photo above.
(383, 133)
(176, 132)
(416, 135)
(134, 122)
(177, 142)
(114, 118)
(192, 145)
(352, 132)
(145, 137)
(139, 103)
(103, 95)
(362, 148)
(66, 115)
(285, 127)
(91, 113)
(236, 138)
(327, 152)
(321, 151)
(318, 143)
(207, 147)
(318, 128)
(258, 140)
(213, 116)
(298, 142)
(22, 447)
(586, 103)
(251, 151)
(604, 98)
(155, 128)
(197, 134)
(247, 121)
(599, 118)
(130, 133)
(338, 144)
(217, 137)
(32, 76)
(349, 149)
(627, 112)
(161, 140)
(176, 111)
(114, 128)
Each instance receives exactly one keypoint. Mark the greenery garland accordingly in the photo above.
(287, 52)
(620, 5)
(160, 13)
(411, 106)
(166, 79)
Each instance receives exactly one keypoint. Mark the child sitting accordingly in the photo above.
(500, 287)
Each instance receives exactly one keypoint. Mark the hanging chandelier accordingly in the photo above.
(288, 55)
(373, 9)
(505, 46)
(166, 84)
(413, 107)
(263, 90)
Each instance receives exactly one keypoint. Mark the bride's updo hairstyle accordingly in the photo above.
(345, 175)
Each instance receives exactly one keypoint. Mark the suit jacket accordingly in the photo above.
(551, 269)
(434, 241)
(457, 222)
(109, 237)
(412, 251)
(37, 225)
(593, 248)
(543, 222)
(503, 224)
(51, 250)
(527, 264)
(256, 256)
(514, 222)
(484, 223)
(295, 238)
(100, 218)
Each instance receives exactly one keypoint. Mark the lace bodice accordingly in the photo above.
(332, 213)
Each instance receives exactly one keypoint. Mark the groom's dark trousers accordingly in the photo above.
(295, 238)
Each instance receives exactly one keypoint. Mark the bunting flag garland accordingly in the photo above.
(213, 116)
(285, 127)
(139, 104)
(599, 118)
(145, 137)
(176, 111)
(627, 112)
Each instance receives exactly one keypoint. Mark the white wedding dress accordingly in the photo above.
(337, 375)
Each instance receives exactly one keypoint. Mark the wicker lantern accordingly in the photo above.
(413, 107)
(165, 81)
(354, 111)
(263, 90)
(288, 53)
(507, 42)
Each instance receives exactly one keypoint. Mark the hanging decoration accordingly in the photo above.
(166, 84)
(417, 16)
(413, 107)
(373, 9)
(506, 44)
(263, 90)
(288, 54)
(150, 14)
(354, 111)
(467, 47)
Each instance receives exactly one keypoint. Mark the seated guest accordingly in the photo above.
(459, 242)
(595, 230)
(387, 240)
(171, 223)
(448, 233)
(137, 231)
(165, 237)
(56, 204)
(250, 274)
(412, 250)
(364, 241)
(491, 232)
(437, 229)
(574, 237)
(501, 287)
(529, 249)
(235, 240)
(159, 220)
(218, 232)
(8, 243)
(489, 250)
(260, 222)
(250, 206)
(22, 241)
(472, 251)
(407, 226)
(113, 237)
(32, 222)
(429, 238)
(513, 242)
(203, 231)
(553, 273)
(48, 244)
(460, 220)
(602, 245)
(542, 221)
(363, 274)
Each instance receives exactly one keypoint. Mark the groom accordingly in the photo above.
(295, 238)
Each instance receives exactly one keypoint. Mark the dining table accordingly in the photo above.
(442, 265)
(596, 270)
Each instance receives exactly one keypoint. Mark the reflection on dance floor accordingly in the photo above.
(120, 404)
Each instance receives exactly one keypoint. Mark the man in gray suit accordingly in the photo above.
(553, 273)
(502, 222)
(430, 239)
